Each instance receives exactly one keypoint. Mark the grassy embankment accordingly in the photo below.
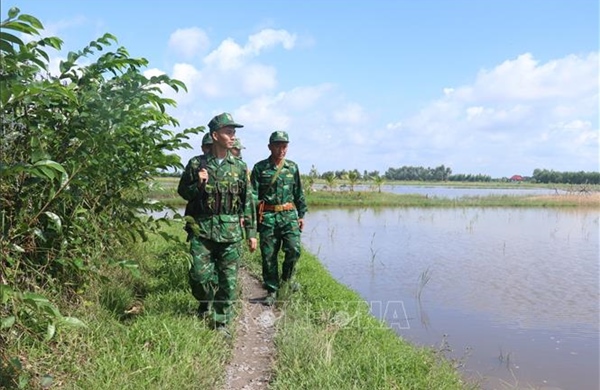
(142, 334)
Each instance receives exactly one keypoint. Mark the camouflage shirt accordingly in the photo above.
(278, 188)
(216, 207)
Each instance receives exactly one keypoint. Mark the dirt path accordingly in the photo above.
(254, 348)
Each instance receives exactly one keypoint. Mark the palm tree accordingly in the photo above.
(353, 179)
(379, 181)
(330, 180)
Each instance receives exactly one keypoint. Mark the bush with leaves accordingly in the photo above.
(77, 151)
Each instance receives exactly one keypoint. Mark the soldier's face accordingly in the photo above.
(278, 149)
(225, 137)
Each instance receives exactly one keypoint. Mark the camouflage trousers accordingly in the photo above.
(213, 275)
(276, 233)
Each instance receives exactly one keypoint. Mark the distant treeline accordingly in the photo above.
(443, 173)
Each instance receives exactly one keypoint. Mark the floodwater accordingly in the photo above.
(512, 294)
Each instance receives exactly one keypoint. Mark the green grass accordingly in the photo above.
(375, 199)
(159, 344)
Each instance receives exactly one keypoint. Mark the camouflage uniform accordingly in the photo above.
(214, 231)
(280, 190)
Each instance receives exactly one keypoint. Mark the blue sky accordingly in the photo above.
(496, 87)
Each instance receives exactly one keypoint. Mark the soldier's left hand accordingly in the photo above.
(252, 244)
(301, 224)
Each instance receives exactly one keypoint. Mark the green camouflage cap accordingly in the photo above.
(207, 139)
(222, 120)
(237, 144)
(279, 136)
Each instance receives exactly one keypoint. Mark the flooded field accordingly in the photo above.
(511, 293)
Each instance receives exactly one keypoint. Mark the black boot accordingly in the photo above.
(203, 309)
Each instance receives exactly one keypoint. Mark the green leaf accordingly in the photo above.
(7, 322)
(50, 164)
(6, 47)
(131, 266)
(38, 233)
(16, 363)
(10, 38)
(17, 248)
(55, 219)
(53, 42)
(78, 263)
(32, 20)
(50, 309)
(23, 381)
(5, 293)
(64, 179)
(21, 27)
(43, 172)
(46, 381)
(13, 12)
(29, 296)
(73, 321)
(50, 331)
(38, 153)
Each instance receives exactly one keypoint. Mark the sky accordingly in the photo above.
(494, 87)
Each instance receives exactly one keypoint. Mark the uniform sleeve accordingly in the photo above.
(299, 199)
(249, 207)
(254, 180)
(188, 183)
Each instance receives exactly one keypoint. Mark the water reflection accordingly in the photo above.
(517, 288)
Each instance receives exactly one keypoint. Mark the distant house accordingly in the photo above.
(516, 178)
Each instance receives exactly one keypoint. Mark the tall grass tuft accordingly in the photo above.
(424, 278)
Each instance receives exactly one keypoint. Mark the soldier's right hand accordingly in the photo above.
(202, 175)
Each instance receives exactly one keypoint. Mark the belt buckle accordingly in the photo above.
(279, 207)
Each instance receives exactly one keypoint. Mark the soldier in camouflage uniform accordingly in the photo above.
(218, 192)
(236, 150)
(281, 208)
(207, 142)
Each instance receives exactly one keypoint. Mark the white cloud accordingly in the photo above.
(189, 42)
(350, 114)
(190, 76)
(524, 79)
(268, 38)
(153, 72)
(258, 78)
(230, 55)
(516, 117)
(231, 70)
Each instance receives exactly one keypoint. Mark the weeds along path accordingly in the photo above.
(253, 344)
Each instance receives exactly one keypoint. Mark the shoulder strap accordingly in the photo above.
(276, 175)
